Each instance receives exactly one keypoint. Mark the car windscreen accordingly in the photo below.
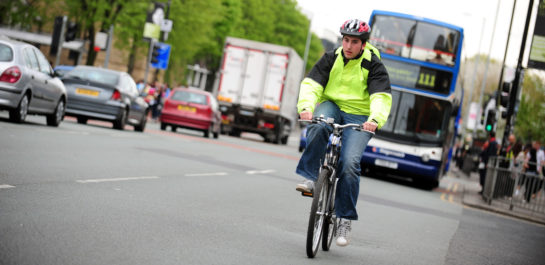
(6, 53)
(189, 97)
(94, 75)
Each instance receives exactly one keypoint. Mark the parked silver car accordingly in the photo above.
(103, 94)
(28, 84)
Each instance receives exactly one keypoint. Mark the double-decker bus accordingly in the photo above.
(422, 57)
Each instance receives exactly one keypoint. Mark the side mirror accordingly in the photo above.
(56, 73)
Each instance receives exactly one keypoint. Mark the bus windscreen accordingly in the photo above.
(415, 118)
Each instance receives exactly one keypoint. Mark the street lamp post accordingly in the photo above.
(473, 79)
(307, 45)
(483, 84)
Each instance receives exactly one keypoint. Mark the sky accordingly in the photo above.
(472, 15)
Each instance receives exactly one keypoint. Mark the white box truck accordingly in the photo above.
(257, 88)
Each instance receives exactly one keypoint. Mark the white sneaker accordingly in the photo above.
(343, 232)
(306, 186)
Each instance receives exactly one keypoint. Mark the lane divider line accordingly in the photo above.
(252, 172)
(206, 174)
(6, 186)
(115, 179)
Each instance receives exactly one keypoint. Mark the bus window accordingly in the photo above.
(416, 40)
(434, 44)
(392, 35)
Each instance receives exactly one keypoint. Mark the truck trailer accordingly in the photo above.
(257, 89)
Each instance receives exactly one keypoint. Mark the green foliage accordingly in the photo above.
(26, 14)
(531, 112)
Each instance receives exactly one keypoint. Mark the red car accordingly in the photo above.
(191, 109)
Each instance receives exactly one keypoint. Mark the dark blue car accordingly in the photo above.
(303, 140)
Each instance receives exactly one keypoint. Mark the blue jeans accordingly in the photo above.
(348, 170)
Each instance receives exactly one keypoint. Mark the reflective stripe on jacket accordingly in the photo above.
(358, 86)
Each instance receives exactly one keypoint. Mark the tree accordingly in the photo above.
(129, 32)
(25, 14)
(529, 123)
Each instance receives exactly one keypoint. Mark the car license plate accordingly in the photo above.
(87, 92)
(384, 163)
(187, 108)
(246, 113)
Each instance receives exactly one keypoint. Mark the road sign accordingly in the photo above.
(162, 57)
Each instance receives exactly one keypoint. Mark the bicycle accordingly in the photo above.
(322, 210)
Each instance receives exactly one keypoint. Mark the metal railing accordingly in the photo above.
(511, 184)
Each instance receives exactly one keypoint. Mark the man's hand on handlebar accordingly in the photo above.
(370, 126)
(305, 115)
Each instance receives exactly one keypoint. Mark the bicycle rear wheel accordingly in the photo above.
(317, 213)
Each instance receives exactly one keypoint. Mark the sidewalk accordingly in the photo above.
(472, 198)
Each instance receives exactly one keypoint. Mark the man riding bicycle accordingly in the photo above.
(350, 85)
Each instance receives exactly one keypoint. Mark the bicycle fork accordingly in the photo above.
(330, 204)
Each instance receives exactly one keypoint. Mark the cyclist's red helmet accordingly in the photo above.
(356, 28)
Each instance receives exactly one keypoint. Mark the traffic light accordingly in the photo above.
(155, 53)
(504, 94)
(56, 37)
(71, 31)
(503, 97)
(490, 120)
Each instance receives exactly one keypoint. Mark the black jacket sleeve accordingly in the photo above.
(320, 71)
(378, 81)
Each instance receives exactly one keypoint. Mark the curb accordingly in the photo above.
(502, 212)
(482, 205)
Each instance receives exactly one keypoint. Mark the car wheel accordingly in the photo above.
(82, 120)
(142, 125)
(119, 124)
(235, 132)
(18, 115)
(163, 126)
(55, 118)
(172, 128)
(207, 132)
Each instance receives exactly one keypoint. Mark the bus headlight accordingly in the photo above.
(425, 158)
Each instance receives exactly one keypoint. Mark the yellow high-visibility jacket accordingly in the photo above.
(358, 86)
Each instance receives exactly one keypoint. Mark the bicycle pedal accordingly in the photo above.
(306, 194)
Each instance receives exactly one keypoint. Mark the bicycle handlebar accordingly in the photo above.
(330, 122)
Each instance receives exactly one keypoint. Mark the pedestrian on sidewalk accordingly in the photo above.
(533, 182)
(520, 169)
(490, 148)
(505, 183)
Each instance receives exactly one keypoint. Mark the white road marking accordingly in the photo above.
(206, 174)
(115, 179)
(252, 172)
(6, 186)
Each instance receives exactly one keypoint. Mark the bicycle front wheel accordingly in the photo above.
(317, 213)
(330, 226)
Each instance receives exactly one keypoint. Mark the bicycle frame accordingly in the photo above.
(323, 204)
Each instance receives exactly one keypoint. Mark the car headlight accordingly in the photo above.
(425, 158)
